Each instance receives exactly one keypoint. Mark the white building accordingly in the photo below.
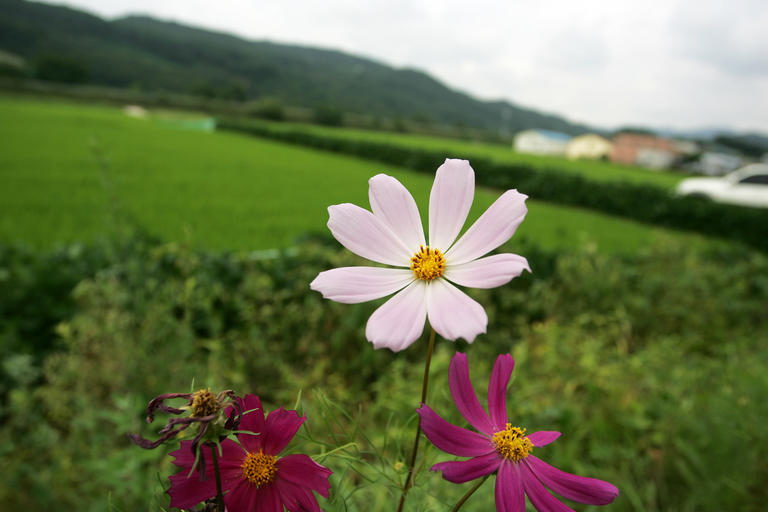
(590, 146)
(541, 142)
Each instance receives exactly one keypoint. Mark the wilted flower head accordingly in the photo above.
(203, 408)
(501, 448)
(392, 234)
(255, 478)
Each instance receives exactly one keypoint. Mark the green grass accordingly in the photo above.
(67, 168)
(593, 170)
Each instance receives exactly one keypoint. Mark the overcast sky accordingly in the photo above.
(661, 63)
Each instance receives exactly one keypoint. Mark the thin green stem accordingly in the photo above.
(469, 493)
(424, 386)
(219, 494)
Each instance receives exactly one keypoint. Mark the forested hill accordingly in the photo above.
(60, 43)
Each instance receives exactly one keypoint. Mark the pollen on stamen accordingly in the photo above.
(512, 443)
(204, 403)
(428, 263)
(259, 468)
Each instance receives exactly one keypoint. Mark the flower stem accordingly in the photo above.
(424, 386)
(469, 493)
(219, 495)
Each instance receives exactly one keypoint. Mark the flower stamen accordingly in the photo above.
(259, 468)
(204, 403)
(512, 443)
(428, 263)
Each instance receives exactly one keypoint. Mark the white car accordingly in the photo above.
(747, 186)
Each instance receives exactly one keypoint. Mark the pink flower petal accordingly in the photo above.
(392, 203)
(280, 428)
(509, 488)
(540, 497)
(452, 439)
(252, 421)
(296, 498)
(462, 471)
(464, 395)
(366, 235)
(452, 313)
(577, 488)
(247, 496)
(351, 285)
(303, 471)
(399, 321)
(543, 437)
(497, 391)
(493, 228)
(185, 492)
(449, 202)
(487, 272)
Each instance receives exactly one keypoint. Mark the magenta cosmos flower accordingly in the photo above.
(500, 448)
(253, 476)
(392, 234)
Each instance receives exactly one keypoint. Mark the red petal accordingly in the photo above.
(452, 439)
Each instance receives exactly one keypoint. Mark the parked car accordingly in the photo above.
(747, 186)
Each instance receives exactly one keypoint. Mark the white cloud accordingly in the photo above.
(683, 63)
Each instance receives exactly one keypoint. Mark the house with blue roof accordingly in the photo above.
(541, 142)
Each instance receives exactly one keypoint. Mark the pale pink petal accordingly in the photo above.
(541, 499)
(543, 437)
(452, 439)
(399, 321)
(452, 313)
(487, 272)
(464, 395)
(392, 203)
(449, 202)
(509, 488)
(577, 488)
(351, 285)
(461, 471)
(302, 470)
(280, 428)
(493, 228)
(497, 391)
(366, 235)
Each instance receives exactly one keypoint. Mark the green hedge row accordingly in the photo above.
(642, 203)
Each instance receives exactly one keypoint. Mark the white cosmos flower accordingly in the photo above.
(392, 234)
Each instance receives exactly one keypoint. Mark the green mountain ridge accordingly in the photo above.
(148, 54)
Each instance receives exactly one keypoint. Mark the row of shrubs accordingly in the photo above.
(642, 203)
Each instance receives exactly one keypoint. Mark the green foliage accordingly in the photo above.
(643, 203)
(651, 365)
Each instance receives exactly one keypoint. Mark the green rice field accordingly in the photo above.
(74, 172)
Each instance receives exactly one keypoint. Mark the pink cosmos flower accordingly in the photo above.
(392, 234)
(253, 476)
(500, 448)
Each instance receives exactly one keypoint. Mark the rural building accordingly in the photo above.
(541, 142)
(644, 150)
(590, 146)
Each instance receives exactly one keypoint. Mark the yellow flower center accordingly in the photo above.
(204, 403)
(512, 443)
(428, 263)
(259, 468)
